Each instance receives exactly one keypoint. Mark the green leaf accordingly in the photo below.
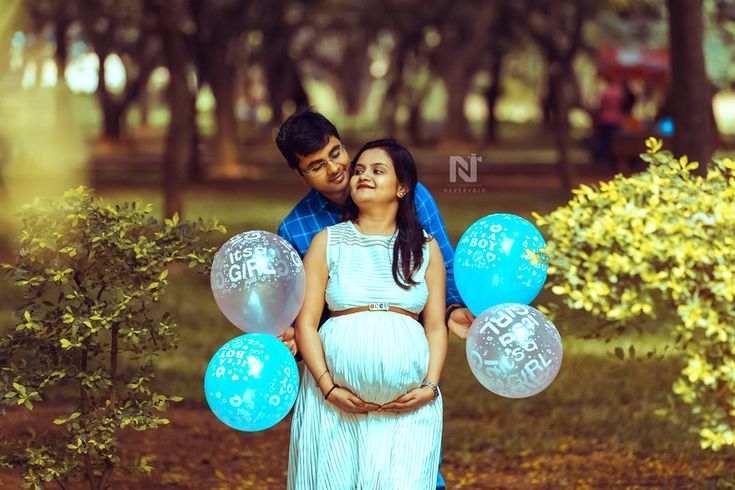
(144, 466)
(72, 416)
(173, 221)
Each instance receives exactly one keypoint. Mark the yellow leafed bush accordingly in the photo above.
(657, 245)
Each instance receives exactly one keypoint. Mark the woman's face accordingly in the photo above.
(374, 179)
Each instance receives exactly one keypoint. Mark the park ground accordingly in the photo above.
(196, 451)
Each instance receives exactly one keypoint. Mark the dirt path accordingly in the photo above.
(196, 451)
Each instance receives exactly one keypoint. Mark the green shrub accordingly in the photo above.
(92, 273)
(637, 251)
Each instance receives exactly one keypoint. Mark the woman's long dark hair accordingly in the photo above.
(408, 249)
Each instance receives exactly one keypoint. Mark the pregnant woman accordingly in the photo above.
(369, 413)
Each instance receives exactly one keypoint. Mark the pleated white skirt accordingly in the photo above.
(379, 356)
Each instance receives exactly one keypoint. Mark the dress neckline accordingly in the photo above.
(354, 227)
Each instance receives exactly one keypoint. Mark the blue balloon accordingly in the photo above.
(498, 260)
(251, 382)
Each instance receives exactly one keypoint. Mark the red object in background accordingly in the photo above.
(646, 64)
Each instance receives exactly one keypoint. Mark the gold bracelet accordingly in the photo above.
(321, 376)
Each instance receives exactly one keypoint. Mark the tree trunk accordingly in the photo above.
(492, 94)
(144, 108)
(559, 75)
(560, 40)
(114, 107)
(354, 77)
(112, 120)
(692, 93)
(221, 76)
(284, 84)
(110, 114)
(457, 82)
(389, 104)
(282, 76)
(179, 152)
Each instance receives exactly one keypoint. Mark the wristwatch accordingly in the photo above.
(433, 387)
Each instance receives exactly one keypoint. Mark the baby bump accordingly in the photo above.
(377, 355)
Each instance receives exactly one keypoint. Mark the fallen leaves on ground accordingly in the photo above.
(196, 451)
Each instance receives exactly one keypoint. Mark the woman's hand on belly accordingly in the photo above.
(414, 399)
(347, 401)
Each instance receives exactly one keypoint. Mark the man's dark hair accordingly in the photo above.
(303, 133)
(408, 250)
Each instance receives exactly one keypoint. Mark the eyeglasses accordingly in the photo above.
(317, 168)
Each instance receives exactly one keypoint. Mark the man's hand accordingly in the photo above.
(288, 338)
(459, 322)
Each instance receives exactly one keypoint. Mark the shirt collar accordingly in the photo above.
(323, 203)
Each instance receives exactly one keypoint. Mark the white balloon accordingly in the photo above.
(258, 282)
(514, 350)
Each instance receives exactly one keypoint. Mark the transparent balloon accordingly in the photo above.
(514, 350)
(258, 282)
(499, 260)
(251, 382)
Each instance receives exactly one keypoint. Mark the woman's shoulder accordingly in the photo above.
(319, 240)
(431, 246)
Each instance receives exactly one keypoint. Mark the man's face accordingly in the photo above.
(327, 170)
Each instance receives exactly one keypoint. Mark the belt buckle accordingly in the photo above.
(379, 307)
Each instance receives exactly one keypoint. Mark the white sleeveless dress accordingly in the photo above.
(379, 356)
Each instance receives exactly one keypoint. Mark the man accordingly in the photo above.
(313, 149)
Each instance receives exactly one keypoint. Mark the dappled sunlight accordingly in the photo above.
(42, 150)
(45, 151)
(723, 106)
(82, 73)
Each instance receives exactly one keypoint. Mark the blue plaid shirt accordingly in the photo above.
(315, 212)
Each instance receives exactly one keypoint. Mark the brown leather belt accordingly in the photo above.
(376, 307)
